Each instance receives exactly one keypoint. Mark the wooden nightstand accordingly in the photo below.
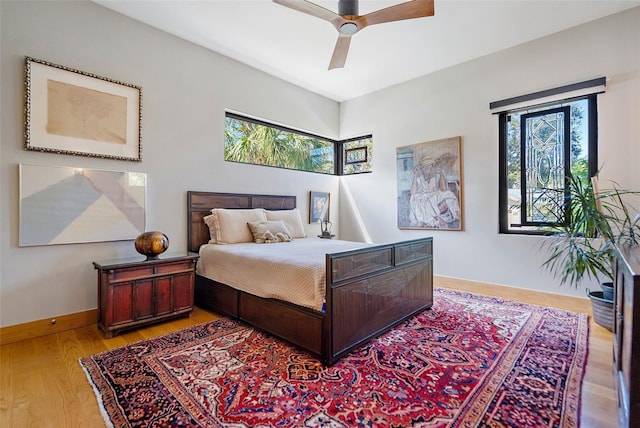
(134, 292)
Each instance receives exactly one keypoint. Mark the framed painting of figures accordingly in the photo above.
(430, 185)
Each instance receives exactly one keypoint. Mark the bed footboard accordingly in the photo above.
(370, 290)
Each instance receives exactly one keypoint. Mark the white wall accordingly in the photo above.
(186, 90)
(456, 102)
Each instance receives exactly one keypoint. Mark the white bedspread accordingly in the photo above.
(291, 271)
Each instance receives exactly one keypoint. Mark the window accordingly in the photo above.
(540, 147)
(356, 155)
(254, 141)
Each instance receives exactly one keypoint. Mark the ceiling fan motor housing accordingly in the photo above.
(348, 7)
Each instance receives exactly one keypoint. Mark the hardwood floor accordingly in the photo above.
(43, 385)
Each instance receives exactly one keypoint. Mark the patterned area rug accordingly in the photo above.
(470, 361)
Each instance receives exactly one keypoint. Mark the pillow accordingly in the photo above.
(291, 219)
(268, 232)
(231, 225)
(210, 221)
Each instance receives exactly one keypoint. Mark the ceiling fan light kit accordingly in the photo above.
(348, 28)
(348, 22)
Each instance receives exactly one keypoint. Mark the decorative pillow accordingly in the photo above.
(269, 232)
(291, 219)
(210, 221)
(231, 225)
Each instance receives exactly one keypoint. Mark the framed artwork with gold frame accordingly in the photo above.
(72, 112)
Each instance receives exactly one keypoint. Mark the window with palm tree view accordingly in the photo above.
(257, 142)
(541, 150)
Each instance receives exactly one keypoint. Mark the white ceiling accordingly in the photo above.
(297, 47)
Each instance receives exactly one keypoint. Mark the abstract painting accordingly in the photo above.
(430, 185)
(64, 205)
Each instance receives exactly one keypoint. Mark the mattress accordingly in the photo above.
(290, 271)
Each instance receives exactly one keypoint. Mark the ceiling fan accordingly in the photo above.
(348, 22)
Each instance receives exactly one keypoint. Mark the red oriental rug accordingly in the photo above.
(470, 361)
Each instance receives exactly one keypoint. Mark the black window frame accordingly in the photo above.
(503, 190)
(338, 145)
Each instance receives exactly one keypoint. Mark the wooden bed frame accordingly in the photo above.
(368, 290)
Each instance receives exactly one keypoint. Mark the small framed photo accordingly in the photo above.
(319, 204)
(71, 112)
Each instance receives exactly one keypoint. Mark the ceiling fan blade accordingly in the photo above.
(312, 9)
(407, 10)
(339, 56)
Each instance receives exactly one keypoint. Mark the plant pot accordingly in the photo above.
(602, 310)
(607, 290)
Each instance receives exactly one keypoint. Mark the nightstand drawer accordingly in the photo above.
(175, 267)
(122, 275)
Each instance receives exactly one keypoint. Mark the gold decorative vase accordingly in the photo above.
(152, 244)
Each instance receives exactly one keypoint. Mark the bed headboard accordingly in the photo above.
(199, 205)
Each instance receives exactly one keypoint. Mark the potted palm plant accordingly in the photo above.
(582, 246)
